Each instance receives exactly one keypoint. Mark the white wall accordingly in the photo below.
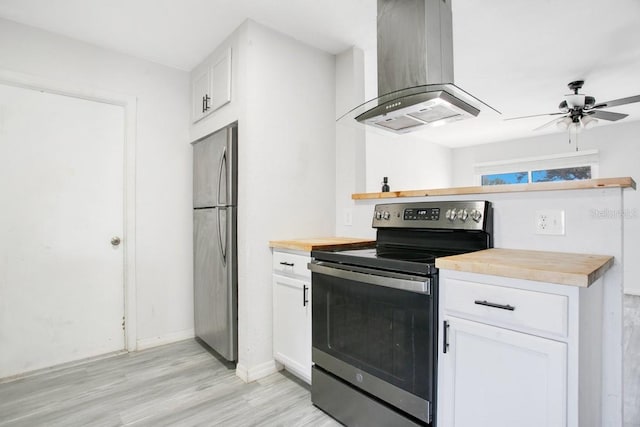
(619, 151)
(285, 108)
(163, 163)
(408, 162)
(350, 141)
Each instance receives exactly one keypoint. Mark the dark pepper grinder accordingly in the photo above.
(385, 185)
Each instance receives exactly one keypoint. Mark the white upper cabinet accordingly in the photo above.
(211, 86)
(199, 93)
(220, 81)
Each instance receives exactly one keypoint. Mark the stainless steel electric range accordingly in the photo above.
(375, 313)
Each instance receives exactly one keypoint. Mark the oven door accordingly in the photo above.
(376, 330)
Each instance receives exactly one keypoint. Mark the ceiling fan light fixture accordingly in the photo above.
(588, 122)
(564, 123)
(575, 127)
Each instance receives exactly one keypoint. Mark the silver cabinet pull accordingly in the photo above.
(115, 241)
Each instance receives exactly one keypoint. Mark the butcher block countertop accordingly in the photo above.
(554, 267)
(325, 243)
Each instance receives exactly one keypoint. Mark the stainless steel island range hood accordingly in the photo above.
(415, 69)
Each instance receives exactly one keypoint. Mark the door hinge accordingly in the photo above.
(123, 323)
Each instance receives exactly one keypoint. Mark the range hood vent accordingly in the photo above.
(415, 69)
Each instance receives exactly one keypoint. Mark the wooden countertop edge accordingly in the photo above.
(622, 182)
(580, 279)
(301, 245)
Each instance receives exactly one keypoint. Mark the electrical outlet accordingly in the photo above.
(550, 222)
(348, 217)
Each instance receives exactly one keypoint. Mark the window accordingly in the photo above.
(561, 174)
(505, 178)
(562, 167)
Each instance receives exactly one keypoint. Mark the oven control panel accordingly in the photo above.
(422, 214)
(463, 215)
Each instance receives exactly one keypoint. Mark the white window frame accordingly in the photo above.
(555, 161)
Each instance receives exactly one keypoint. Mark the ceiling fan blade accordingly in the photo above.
(535, 115)
(607, 115)
(549, 123)
(621, 101)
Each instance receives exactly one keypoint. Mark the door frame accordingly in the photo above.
(129, 103)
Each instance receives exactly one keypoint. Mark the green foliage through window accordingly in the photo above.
(506, 178)
(562, 174)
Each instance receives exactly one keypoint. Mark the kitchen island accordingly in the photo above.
(522, 338)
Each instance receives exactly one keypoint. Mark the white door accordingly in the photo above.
(61, 198)
(500, 378)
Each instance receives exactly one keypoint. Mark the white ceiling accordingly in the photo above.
(515, 55)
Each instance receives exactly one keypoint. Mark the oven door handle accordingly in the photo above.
(405, 282)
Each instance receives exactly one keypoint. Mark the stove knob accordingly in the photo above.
(450, 214)
(463, 215)
(386, 215)
(378, 215)
(476, 215)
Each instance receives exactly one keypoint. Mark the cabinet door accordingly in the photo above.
(292, 324)
(221, 81)
(495, 377)
(201, 95)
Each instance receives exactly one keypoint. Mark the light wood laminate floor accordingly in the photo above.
(179, 384)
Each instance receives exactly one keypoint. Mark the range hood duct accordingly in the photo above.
(415, 69)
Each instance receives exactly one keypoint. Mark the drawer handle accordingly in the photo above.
(288, 264)
(494, 305)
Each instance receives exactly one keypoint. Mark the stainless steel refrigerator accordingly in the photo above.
(215, 241)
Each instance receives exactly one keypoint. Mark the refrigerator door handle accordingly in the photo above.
(223, 246)
(222, 174)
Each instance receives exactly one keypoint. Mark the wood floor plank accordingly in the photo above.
(179, 384)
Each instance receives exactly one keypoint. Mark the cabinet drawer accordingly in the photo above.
(291, 264)
(528, 311)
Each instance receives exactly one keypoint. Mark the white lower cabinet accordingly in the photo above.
(292, 313)
(518, 353)
(500, 378)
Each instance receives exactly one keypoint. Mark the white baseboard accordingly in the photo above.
(257, 372)
(145, 343)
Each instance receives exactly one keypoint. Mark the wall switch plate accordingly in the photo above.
(550, 222)
(348, 217)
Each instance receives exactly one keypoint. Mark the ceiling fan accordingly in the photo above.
(578, 110)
